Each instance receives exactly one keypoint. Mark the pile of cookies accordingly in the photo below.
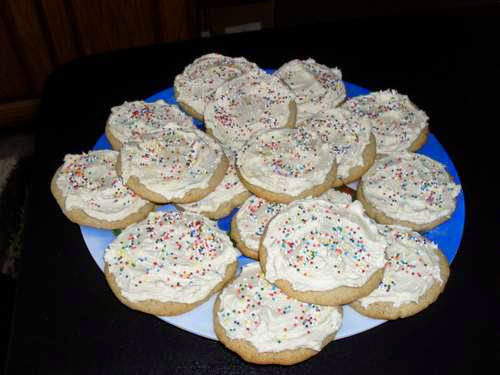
(280, 147)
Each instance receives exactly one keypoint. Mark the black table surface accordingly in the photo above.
(67, 320)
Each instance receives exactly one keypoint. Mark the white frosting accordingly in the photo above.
(410, 187)
(396, 121)
(285, 160)
(229, 188)
(252, 218)
(346, 133)
(337, 198)
(318, 246)
(246, 105)
(253, 215)
(170, 257)
(412, 268)
(316, 86)
(199, 80)
(256, 311)
(131, 120)
(172, 162)
(89, 182)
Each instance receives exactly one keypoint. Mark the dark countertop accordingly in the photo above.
(67, 320)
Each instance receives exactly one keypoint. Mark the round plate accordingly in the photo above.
(199, 321)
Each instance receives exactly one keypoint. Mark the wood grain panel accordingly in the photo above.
(176, 20)
(29, 38)
(13, 82)
(60, 29)
(107, 25)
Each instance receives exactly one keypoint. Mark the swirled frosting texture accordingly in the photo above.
(198, 82)
(246, 105)
(256, 311)
(253, 216)
(132, 120)
(318, 246)
(89, 182)
(317, 87)
(346, 133)
(288, 161)
(172, 162)
(170, 257)
(412, 268)
(410, 187)
(396, 121)
(337, 198)
(229, 188)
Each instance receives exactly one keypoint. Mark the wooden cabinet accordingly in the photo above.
(36, 36)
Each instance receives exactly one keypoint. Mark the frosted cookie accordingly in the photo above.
(195, 87)
(415, 275)
(397, 123)
(169, 263)
(263, 325)
(89, 192)
(174, 165)
(248, 224)
(321, 253)
(248, 104)
(351, 141)
(408, 189)
(282, 165)
(230, 193)
(316, 87)
(131, 120)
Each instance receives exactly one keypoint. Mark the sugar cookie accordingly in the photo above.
(194, 88)
(282, 165)
(415, 275)
(408, 189)
(174, 165)
(169, 263)
(317, 87)
(248, 104)
(397, 123)
(321, 253)
(248, 224)
(89, 192)
(132, 120)
(263, 325)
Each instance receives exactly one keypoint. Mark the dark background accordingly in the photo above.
(37, 36)
(60, 316)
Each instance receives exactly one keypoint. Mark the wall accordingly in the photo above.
(36, 36)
